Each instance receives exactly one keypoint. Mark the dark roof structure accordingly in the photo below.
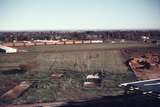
(146, 87)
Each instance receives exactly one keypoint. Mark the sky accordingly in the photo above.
(79, 14)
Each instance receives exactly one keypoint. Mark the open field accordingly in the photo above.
(75, 62)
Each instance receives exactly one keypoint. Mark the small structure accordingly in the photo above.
(145, 38)
(146, 87)
(56, 76)
(122, 40)
(93, 80)
(5, 49)
(113, 41)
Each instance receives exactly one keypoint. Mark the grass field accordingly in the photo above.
(76, 62)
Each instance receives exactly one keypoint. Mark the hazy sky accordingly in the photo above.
(79, 14)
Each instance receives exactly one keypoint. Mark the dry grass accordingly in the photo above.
(75, 64)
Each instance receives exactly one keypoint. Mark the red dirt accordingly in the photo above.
(143, 73)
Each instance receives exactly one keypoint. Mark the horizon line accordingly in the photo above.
(47, 30)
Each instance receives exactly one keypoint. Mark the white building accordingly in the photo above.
(5, 49)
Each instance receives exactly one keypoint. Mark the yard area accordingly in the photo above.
(75, 62)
